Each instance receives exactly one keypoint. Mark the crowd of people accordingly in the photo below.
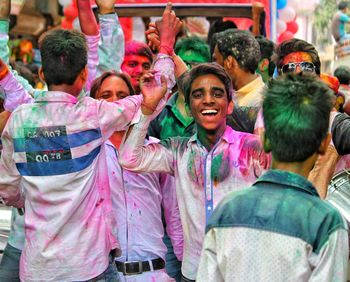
(176, 160)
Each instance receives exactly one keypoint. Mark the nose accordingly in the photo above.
(208, 98)
(298, 69)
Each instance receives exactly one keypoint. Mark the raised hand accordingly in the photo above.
(152, 36)
(87, 19)
(168, 27)
(105, 6)
(152, 91)
(5, 8)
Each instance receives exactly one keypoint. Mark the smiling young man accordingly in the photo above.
(207, 165)
(279, 229)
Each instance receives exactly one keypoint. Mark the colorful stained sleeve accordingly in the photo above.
(341, 133)
(209, 266)
(135, 156)
(9, 175)
(111, 48)
(164, 65)
(172, 213)
(331, 263)
(92, 42)
(4, 38)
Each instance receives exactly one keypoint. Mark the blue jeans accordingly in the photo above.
(109, 275)
(9, 266)
(172, 265)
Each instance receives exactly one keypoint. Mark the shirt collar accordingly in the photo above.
(55, 96)
(251, 86)
(290, 179)
(228, 136)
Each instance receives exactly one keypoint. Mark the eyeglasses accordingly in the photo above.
(304, 66)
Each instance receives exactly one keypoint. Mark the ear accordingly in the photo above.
(263, 65)
(229, 63)
(230, 107)
(84, 74)
(265, 141)
(324, 144)
(41, 74)
(188, 110)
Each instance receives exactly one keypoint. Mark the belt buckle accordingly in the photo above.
(140, 270)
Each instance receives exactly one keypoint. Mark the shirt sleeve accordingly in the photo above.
(208, 269)
(4, 38)
(9, 175)
(15, 92)
(341, 133)
(172, 213)
(164, 65)
(136, 156)
(331, 263)
(344, 18)
(111, 48)
(92, 42)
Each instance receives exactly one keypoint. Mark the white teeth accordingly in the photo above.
(209, 112)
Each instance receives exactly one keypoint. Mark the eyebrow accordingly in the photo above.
(212, 88)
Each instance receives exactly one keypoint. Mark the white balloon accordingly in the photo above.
(281, 26)
(65, 3)
(76, 24)
(287, 14)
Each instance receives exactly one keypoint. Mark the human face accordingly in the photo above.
(136, 66)
(217, 57)
(209, 103)
(112, 89)
(297, 58)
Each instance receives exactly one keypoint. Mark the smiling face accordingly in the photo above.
(136, 66)
(209, 103)
(112, 89)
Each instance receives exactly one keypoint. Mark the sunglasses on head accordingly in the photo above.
(304, 66)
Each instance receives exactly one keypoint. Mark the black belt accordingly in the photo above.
(137, 267)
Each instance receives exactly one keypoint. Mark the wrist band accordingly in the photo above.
(148, 107)
(4, 72)
(161, 57)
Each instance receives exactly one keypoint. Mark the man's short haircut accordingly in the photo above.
(96, 84)
(296, 45)
(296, 112)
(139, 49)
(194, 45)
(204, 69)
(343, 74)
(266, 50)
(64, 56)
(342, 5)
(241, 45)
(218, 26)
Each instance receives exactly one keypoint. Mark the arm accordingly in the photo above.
(4, 116)
(89, 27)
(9, 175)
(172, 213)
(208, 269)
(111, 49)
(331, 263)
(341, 133)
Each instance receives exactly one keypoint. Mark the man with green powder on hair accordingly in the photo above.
(279, 229)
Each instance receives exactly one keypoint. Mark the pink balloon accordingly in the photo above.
(281, 26)
(287, 14)
(285, 36)
(293, 27)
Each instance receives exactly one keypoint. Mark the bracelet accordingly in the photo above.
(148, 107)
(4, 72)
(161, 57)
(168, 49)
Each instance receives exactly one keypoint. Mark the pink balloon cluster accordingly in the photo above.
(286, 25)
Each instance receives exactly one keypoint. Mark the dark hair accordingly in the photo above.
(96, 84)
(296, 45)
(203, 69)
(266, 51)
(64, 56)
(342, 5)
(343, 74)
(218, 26)
(241, 45)
(193, 44)
(138, 48)
(296, 112)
